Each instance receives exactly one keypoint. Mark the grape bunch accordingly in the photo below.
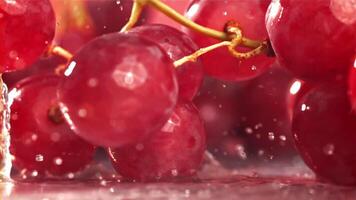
(258, 78)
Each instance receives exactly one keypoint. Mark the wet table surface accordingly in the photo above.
(272, 181)
(238, 187)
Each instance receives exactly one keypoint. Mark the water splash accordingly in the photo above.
(5, 157)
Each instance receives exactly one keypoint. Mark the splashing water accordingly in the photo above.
(5, 157)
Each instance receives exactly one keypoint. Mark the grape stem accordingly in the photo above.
(5, 157)
(135, 14)
(232, 33)
(60, 51)
(193, 57)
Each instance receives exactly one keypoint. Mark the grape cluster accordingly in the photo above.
(125, 92)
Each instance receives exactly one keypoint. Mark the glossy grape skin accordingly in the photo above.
(310, 40)
(324, 132)
(37, 142)
(118, 89)
(176, 151)
(264, 114)
(177, 45)
(297, 90)
(352, 84)
(215, 14)
(27, 28)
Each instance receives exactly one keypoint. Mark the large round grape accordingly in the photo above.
(175, 151)
(41, 142)
(250, 15)
(324, 131)
(118, 89)
(313, 39)
(26, 28)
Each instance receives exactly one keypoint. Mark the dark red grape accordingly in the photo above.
(219, 107)
(176, 151)
(118, 89)
(27, 28)
(311, 38)
(41, 66)
(41, 142)
(324, 132)
(264, 112)
(109, 16)
(215, 14)
(177, 45)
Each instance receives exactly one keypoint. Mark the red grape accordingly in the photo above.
(41, 66)
(215, 14)
(324, 131)
(310, 39)
(264, 112)
(176, 151)
(177, 45)
(109, 16)
(41, 141)
(118, 89)
(27, 28)
(297, 90)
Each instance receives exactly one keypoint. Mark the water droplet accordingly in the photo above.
(187, 193)
(82, 113)
(270, 135)
(58, 161)
(261, 152)
(93, 82)
(283, 137)
(70, 175)
(39, 158)
(329, 149)
(34, 173)
(257, 126)
(34, 137)
(174, 172)
(304, 107)
(103, 183)
(241, 151)
(248, 130)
